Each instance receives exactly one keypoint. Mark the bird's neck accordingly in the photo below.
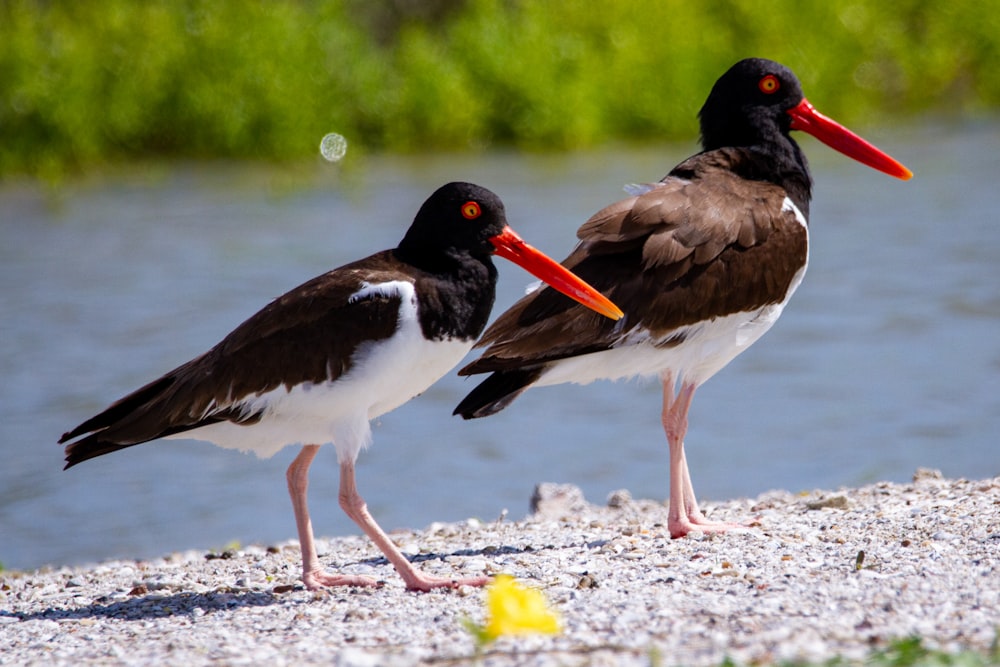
(785, 165)
(462, 287)
(438, 260)
(776, 157)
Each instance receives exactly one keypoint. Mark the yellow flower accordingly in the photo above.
(514, 609)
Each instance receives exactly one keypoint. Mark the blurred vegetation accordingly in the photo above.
(83, 84)
(911, 652)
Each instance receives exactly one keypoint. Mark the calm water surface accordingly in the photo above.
(888, 357)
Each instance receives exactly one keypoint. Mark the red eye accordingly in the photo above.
(769, 84)
(471, 210)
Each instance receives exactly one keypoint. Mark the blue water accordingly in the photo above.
(887, 359)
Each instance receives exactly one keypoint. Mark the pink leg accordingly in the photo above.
(313, 575)
(355, 507)
(684, 515)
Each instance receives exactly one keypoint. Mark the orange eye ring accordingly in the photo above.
(769, 84)
(471, 210)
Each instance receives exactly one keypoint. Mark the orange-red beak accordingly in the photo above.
(511, 246)
(839, 138)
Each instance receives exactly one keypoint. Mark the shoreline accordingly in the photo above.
(817, 575)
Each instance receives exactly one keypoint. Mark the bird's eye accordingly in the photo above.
(769, 84)
(471, 210)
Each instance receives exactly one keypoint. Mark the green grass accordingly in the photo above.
(911, 652)
(82, 84)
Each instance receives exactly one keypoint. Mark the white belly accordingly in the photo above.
(707, 348)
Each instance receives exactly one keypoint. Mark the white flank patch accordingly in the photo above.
(385, 374)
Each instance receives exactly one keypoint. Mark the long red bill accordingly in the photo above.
(511, 246)
(836, 136)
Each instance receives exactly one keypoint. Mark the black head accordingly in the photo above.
(758, 102)
(461, 226)
(458, 217)
(749, 105)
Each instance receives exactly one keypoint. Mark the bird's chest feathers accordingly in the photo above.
(400, 367)
(457, 307)
(397, 368)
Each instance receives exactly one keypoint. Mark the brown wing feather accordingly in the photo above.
(691, 248)
(309, 334)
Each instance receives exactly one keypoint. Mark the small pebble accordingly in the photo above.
(620, 498)
(833, 502)
(475, 565)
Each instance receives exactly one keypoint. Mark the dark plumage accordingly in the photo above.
(316, 364)
(702, 264)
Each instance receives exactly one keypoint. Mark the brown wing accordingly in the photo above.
(308, 334)
(688, 249)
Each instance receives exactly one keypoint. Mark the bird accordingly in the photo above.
(315, 365)
(702, 262)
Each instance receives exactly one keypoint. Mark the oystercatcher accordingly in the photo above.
(702, 263)
(315, 365)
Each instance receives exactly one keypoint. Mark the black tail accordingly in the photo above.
(120, 409)
(496, 392)
(121, 425)
(90, 447)
(98, 444)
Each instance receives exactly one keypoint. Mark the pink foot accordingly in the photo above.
(319, 579)
(425, 582)
(682, 527)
